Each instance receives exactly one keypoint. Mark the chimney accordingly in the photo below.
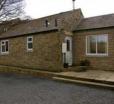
(73, 2)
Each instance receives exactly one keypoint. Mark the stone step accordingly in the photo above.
(86, 79)
(88, 83)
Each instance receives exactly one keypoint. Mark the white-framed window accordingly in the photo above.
(29, 43)
(4, 46)
(97, 45)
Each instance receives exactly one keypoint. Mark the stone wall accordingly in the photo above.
(97, 62)
(46, 54)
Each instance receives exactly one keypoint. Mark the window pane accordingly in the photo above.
(3, 42)
(88, 45)
(91, 44)
(29, 39)
(3, 48)
(46, 23)
(30, 45)
(68, 45)
(56, 22)
(6, 46)
(102, 44)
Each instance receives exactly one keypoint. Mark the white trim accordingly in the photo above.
(97, 54)
(29, 49)
(89, 54)
(6, 52)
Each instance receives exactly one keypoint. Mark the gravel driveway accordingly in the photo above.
(31, 90)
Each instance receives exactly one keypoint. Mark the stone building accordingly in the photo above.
(67, 38)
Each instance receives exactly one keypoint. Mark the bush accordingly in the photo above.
(84, 63)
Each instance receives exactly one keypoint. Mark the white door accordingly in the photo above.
(67, 54)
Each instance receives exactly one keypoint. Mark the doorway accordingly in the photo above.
(67, 51)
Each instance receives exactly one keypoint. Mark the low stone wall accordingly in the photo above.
(32, 72)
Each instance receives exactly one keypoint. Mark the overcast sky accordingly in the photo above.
(41, 8)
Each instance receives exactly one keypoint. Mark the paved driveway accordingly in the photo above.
(30, 90)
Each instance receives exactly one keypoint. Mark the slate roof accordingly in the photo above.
(29, 27)
(96, 22)
(36, 25)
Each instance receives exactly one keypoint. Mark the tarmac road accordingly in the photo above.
(16, 89)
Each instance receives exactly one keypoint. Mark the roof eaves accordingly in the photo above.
(26, 34)
(84, 29)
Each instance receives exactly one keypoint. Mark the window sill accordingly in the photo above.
(29, 50)
(97, 55)
(4, 53)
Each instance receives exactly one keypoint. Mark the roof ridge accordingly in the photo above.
(99, 16)
(60, 13)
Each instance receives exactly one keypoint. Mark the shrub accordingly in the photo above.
(85, 63)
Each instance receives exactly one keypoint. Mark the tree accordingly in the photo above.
(11, 9)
